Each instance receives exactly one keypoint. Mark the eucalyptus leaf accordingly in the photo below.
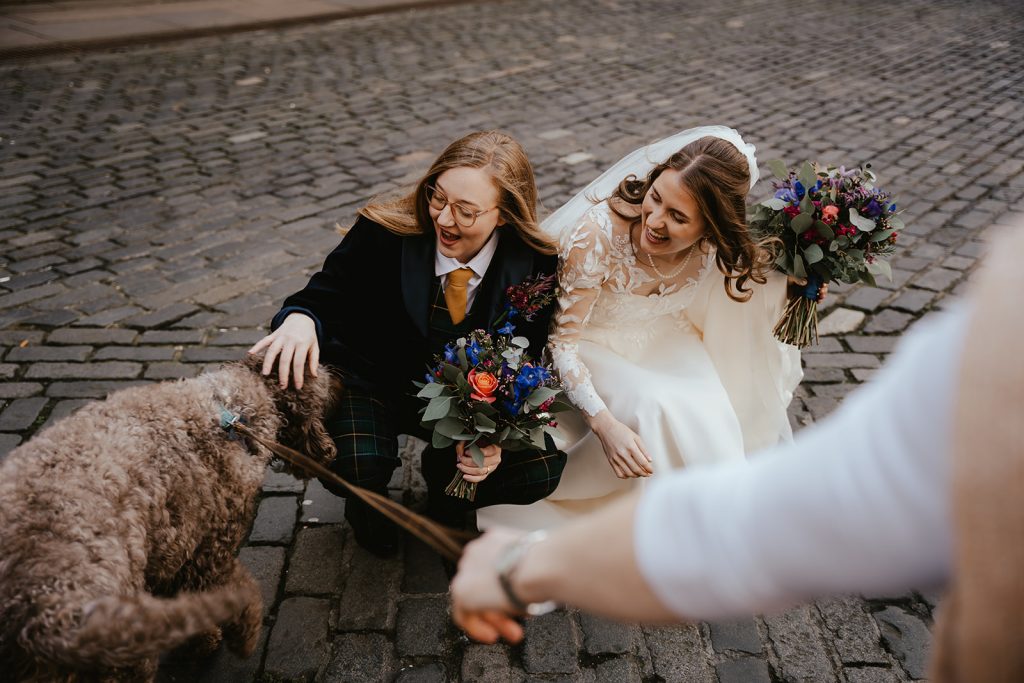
(539, 395)
(860, 222)
(824, 229)
(537, 437)
(813, 254)
(775, 204)
(806, 205)
(438, 440)
(431, 391)
(503, 435)
(484, 424)
(807, 176)
(880, 267)
(783, 262)
(521, 342)
(450, 427)
(487, 409)
(882, 235)
(555, 433)
(867, 278)
(437, 408)
(895, 222)
(463, 360)
(559, 406)
(478, 455)
(798, 266)
(802, 222)
(451, 373)
(778, 169)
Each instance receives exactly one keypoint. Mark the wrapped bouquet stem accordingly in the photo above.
(828, 225)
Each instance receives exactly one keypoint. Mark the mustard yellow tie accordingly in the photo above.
(455, 293)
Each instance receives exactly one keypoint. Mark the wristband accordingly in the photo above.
(509, 562)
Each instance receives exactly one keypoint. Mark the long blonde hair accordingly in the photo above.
(503, 158)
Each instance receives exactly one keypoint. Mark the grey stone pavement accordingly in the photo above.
(158, 202)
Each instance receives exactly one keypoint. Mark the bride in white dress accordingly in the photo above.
(663, 333)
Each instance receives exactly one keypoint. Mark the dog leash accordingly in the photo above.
(446, 541)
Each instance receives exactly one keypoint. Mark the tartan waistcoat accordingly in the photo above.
(441, 329)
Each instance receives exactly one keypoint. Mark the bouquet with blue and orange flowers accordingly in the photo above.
(485, 388)
(828, 224)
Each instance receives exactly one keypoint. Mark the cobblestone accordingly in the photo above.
(315, 567)
(907, 637)
(362, 658)
(275, 520)
(422, 623)
(298, 639)
(20, 414)
(797, 642)
(544, 647)
(486, 664)
(132, 225)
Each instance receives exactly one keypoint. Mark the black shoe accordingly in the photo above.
(372, 531)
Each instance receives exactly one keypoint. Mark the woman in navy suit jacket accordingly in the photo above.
(381, 307)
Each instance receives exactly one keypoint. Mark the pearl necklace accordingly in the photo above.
(682, 266)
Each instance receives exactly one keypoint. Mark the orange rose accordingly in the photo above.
(829, 213)
(484, 385)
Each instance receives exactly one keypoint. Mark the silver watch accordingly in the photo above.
(507, 564)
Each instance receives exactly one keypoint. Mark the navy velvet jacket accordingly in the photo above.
(371, 303)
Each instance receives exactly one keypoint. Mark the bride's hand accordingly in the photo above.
(623, 447)
(799, 283)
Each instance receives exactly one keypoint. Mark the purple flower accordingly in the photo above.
(786, 195)
(872, 209)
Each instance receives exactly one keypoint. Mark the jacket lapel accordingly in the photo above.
(512, 263)
(417, 276)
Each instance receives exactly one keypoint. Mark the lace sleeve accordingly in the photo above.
(582, 268)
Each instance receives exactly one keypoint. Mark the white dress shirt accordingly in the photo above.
(860, 502)
(479, 263)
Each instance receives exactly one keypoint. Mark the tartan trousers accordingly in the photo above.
(365, 428)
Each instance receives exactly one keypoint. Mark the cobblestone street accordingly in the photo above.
(157, 203)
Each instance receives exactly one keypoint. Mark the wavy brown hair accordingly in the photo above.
(503, 158)
(716, 175)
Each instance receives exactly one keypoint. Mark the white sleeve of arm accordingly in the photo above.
(858, 503)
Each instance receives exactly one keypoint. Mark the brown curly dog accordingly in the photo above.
(120, 524)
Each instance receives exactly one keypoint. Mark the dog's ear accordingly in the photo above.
(305, 411)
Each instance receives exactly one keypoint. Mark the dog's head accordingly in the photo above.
(304, 411)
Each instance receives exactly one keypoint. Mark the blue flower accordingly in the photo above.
(449, 352)
(430, 378)
(507, 328)
(799, 188)
(530, 377)
(473, 352)
(786, 195)
(892, 208)
(872, 209)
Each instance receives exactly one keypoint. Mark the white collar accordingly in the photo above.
(479, 263)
